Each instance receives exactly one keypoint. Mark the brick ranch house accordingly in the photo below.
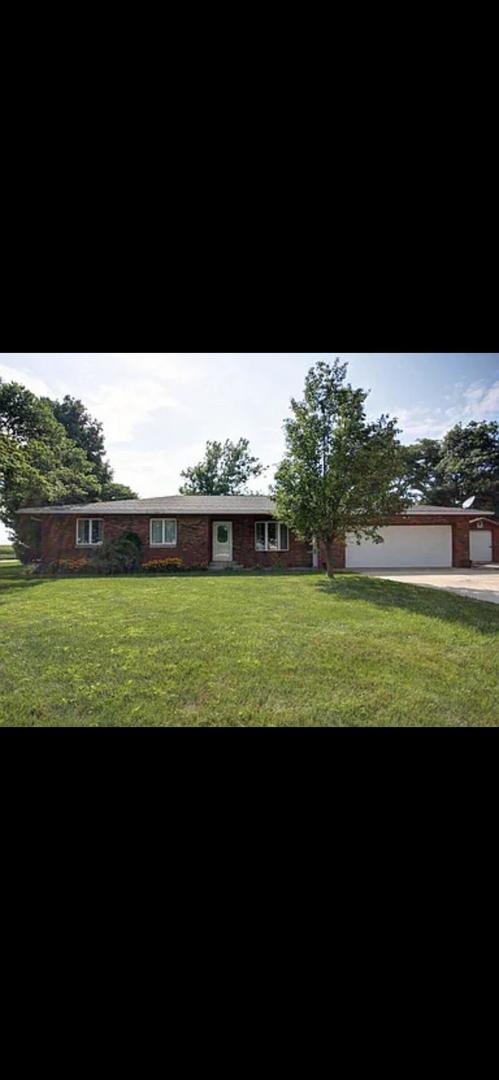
(241, 530)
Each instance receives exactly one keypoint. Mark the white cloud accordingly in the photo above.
(124, 406)
(138, 385)
(477, 401)
(153, 473)
(482, 400)
(27, 379)
(181, 368)
(423, 423)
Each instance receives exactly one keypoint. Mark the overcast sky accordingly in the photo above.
(159, 409)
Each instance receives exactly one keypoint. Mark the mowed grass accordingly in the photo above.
(244, 650)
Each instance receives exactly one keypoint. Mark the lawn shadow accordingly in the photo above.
(416, 599)
(14, 577)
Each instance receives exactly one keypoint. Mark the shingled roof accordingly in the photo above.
(169, 504)
(213, 504)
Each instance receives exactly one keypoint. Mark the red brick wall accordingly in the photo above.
(460, 538)
(194, 540)
(243, 531)
(193, 537)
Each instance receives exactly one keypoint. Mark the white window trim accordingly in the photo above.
(267, 548)
(163, 543)
(81, 543)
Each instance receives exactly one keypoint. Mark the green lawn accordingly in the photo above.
(286, 649)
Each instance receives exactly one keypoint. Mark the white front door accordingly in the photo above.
(222, 541)
(481, 545)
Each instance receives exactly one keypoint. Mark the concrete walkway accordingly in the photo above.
(480, 583)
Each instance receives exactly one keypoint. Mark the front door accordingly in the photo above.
(222, 541)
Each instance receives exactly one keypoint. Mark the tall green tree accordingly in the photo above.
(88, 434)
(465, 462)
(225, 470)
(340, 473)
(38, 462)
(421, 462)
(470, 463)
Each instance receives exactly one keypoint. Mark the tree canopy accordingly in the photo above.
(88, 434)
(225, 470)
(41, 464)
(340, 473)
(448, 471)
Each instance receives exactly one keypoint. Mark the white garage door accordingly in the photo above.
(404, 545)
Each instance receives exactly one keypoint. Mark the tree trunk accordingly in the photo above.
(328, 544)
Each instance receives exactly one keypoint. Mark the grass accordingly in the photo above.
(6, 552)
(249, 650)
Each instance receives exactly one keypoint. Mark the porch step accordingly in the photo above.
(224, 565)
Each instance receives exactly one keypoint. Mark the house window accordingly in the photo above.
(271, 536)
(89, 532)
(163, 532)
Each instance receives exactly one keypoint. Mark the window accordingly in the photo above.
(89, 532)
(271, 536)
(163, 532)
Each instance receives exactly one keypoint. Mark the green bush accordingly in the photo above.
(75, 566)
(120, 556)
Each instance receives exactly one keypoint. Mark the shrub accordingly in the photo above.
(163, 566)
(75, 566)
(119, 556)
(61, 567)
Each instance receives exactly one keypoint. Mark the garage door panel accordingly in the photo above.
(403, 546)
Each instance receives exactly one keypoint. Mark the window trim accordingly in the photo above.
(81, 543)
(266, 524)
(164, 543)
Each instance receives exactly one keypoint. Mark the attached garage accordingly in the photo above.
(403, 546)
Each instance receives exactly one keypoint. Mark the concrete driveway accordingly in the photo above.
(477, 584)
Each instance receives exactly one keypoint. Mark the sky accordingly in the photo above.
(159, 409)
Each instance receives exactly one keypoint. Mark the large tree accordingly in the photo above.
(470, 463)
(38, 462)
(421, 463)
(224, 470)
(50, 452)
(340, 473)
(88, 434)
(464, 463)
